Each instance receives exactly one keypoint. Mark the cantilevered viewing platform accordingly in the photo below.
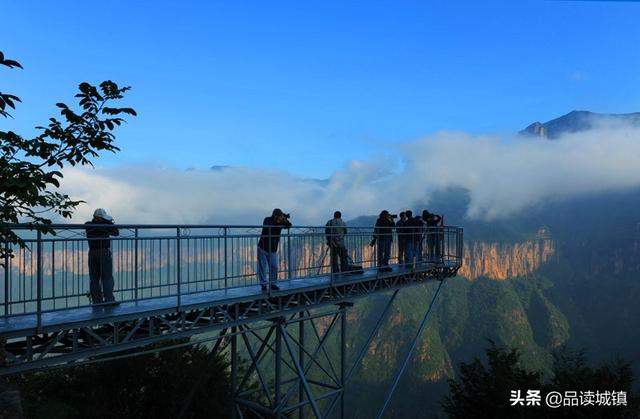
(178, 281)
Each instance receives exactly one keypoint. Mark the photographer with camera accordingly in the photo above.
(268, 247)
(335, 230)
(383, 236)
(98, 231)
(435, 235)
(414, 237)
(403, 238)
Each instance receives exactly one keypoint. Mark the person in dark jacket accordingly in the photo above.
(383, 236)
(434, 235)
(414, 237)
(335, 230)
(268, 247)
(401, 230)
(98, 231)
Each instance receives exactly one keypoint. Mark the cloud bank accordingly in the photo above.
(503, 175)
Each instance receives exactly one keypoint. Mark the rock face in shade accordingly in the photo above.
(577, 121)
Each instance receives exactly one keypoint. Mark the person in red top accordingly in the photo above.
(268, 247)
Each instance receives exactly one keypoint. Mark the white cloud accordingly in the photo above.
(503, 175)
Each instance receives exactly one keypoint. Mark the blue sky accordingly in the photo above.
(307, 86)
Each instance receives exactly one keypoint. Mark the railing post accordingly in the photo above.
(39, 279)
(461, 240)
(6, 278)
(225, 258)
(269, 232)
(330, 265)
(178, 264)
(289, 270)
(135, 264)
(53, 274)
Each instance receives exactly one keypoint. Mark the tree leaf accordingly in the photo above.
(11, 63)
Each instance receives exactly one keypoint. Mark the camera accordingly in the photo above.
(393, 215)
(286, 215)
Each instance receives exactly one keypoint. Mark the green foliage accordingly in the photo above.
(29, 168)
(484, 391)
(147, 386)
(5, 98)
(572, 372)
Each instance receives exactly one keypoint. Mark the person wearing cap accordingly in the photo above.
(335, 230)
(268, 248)
(100, 259)
(383, 235)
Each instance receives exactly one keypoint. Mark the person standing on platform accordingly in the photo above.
(98, 231)
(335, 231)
(418, 234)
(268, 248)
(401, 229)
(434, 235)
(383, 236)
(415, 228)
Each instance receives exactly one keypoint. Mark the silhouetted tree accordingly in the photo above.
(29, 168)
(147, 386)
(571, 372)
(485, 391)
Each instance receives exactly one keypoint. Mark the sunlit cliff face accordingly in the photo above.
(503, 261)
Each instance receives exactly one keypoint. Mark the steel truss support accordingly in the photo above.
(288, 373)
(423, 323)
(66, 344)
(363, 351)
(292, 365)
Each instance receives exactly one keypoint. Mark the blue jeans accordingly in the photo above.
(414, 251)
(434, 243)
(403, 256)
(384, 252)
(267, 261)
(418, 249)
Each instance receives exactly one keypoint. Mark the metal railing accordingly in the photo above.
(152, 261)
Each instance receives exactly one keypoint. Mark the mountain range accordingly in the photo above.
(564, 273)
(577, 121)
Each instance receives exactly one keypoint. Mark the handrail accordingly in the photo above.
(171, 226)
(54, 274)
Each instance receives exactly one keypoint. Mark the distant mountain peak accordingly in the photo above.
(536, 129)
(218, 167)
(576, 121)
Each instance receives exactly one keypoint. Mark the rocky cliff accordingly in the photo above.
(503, 261)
